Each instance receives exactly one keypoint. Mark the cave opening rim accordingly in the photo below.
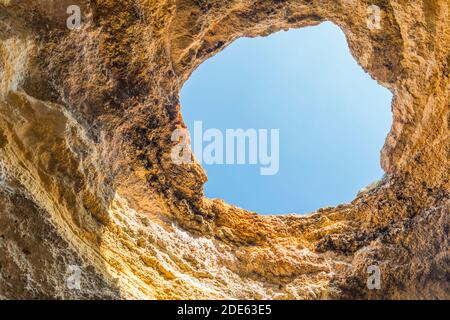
(264, 34)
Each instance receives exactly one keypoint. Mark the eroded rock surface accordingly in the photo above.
(86, 177)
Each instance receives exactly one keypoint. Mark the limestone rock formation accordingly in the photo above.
(86, 178)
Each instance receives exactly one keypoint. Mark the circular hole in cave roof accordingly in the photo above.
(332, 118)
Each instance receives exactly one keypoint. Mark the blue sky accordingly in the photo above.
(333, 118)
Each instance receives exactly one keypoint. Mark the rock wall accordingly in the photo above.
(86, 178)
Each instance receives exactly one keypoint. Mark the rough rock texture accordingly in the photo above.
(86, 178)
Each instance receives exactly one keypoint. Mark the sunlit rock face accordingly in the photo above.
(86, 177)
